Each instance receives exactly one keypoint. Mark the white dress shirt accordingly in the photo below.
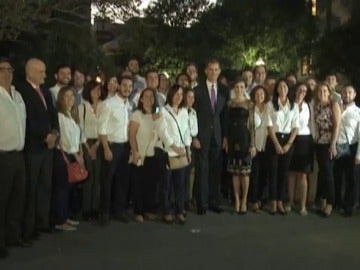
(55, 92)
(349, 131)
(88, 121)
(261, 131)
(146, 135)
(193, 122)
(304, 120)
(70, 134)
(113, 119)
(12, 120)
(168, 130)
(285, 119)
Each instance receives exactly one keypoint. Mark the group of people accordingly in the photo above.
(159, 148)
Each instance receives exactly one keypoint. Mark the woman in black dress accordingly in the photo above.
(241, 144)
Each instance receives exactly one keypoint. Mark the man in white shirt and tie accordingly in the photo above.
(12, 165)
(113, 125)
(348, 165)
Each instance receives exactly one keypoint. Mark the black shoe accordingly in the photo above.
(201, 211)
(3, 253)
(216, 209)
(20, 243)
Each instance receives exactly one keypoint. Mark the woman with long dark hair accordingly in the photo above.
(283, 124)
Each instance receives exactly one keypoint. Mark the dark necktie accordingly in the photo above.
(213, 97)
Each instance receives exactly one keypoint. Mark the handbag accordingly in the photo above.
(343, 149)
(178, 162)
(76, 173)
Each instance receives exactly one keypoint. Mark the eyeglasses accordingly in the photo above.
(8, 69)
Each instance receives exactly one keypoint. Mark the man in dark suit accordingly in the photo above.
(41, 133)
(210, 104)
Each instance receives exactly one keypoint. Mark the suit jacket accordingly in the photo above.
(40, 120)
(211, 122)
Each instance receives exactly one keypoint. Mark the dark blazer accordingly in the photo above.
(39, 120)
(211, 122)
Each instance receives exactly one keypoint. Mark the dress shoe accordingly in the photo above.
(216, 209)
(20, 243)
(73, 223)
(3, 253)
(65, 227)
(168, 219)
(201, 211)
(180, 219)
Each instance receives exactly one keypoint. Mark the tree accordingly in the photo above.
(26, 16)
(178, 13)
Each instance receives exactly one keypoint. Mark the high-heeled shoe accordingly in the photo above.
(168, 219)
(180, 219)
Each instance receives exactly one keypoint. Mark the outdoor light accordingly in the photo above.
(260, 62)
(98, 79)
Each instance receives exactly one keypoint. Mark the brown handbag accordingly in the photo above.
(76, 173)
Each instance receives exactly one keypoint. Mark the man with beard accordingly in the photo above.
(348, 164)
(113, 125)
(139, 82)
(63, 78)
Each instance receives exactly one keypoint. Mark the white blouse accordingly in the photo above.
(12, 120)
(304, 120)
(88, 121)
(69, 134)
(261, 131)
(113, 119)
(283, 120)
(193, 122)
(146, 135)
(168, 130)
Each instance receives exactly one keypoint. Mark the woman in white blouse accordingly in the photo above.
(259, 170)
(283, 124)
(142, 137)
(174, 132)
(88, 111)
(302, 159)
(70, 143)
(193, 126)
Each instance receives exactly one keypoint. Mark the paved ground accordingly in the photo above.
(214, 241)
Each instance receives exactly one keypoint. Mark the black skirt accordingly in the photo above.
(303, 157)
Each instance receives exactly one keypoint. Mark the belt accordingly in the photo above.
(282, 135)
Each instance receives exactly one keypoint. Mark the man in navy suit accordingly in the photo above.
(41, 133)
(210, 103)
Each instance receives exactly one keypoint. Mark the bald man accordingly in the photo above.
(41, 133)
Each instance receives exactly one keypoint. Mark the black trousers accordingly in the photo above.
(208, 166)
(345, 166)
(38, 191)
(326, 183)
(188, 170)
(60, 188)
(258, 177)
(144, 184)
(279, 169)
(12, 196)
(115, 181)
(91, 187)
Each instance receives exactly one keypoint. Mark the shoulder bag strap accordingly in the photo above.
(176, 125)
(63, 154)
